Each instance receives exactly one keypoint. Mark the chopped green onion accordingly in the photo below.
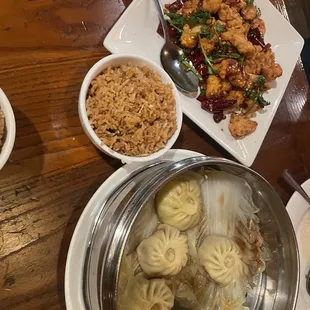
(191, 68)
(174, 26)
(177, 20)
(207, 61)
(210, 35)
(256, 97)
(203, 29)
(219, 28)
(261, 80)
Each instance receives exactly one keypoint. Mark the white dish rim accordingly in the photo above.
(10, 129)
(300, 211)
(75, 301)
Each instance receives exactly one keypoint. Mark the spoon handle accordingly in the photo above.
(291, 181)
(308, 282)
(162, 19)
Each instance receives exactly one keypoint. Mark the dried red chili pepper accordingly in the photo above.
(255, 36)
(175, 6)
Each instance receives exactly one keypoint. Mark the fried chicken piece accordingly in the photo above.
(189, 37)
(224, 66)
(231, 70)
(218, 22)
(239, 79)
(239, 4)
(240, 42)
(216, 87)
(250, 108)
(249, 12)
(260, 24)
(270, 69)
(227, 13)
(236, 24)
(252, 81)
(252, 65)
(233, 19)
(209, 45)
(240, 126)
(262, 62)
(266, 57)
(211, 6)
(237, 95)
(273, 72)
(190, 7)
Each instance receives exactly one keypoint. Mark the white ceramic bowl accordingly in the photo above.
(117, 60)
(10, 129)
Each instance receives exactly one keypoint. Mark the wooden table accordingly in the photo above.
(46, 48)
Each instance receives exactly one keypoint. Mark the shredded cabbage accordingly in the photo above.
(227, 202)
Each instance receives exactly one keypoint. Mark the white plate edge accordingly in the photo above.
(301, 302)
(120, 175)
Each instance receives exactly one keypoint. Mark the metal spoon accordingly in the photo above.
(171, 57)
(291, 181)
(308, 283)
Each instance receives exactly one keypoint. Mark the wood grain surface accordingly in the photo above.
(299, 12)
(46, 48)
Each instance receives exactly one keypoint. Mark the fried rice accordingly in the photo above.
(131, 110)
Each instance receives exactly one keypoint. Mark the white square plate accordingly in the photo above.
(135, 33)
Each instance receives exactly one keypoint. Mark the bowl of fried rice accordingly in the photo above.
(7, 129)
(130, 108)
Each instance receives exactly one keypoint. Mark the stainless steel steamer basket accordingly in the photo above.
(277, 288)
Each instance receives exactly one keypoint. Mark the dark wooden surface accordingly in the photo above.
(46, 48)
(299, 14)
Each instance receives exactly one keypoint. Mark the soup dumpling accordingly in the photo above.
(146, 294)
(164, 253)
(220, 256)
(179, 203)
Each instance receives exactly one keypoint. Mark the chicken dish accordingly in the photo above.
(223, 41)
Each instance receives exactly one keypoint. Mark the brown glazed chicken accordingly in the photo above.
(223, 41)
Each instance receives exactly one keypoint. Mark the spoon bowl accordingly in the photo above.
(171, 57)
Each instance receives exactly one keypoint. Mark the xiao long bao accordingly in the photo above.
(202, 248)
